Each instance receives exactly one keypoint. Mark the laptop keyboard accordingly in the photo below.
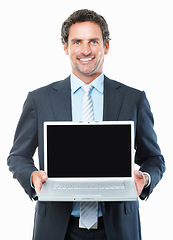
(93, 186)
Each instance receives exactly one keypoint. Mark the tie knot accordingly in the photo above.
(87, 88)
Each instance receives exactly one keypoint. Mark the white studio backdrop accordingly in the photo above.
(31, 56)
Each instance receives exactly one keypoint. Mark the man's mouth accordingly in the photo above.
(86, 59)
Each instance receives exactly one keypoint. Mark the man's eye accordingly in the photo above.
(93, 42)
(77, 43)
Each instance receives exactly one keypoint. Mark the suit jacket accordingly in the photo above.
(53, 103)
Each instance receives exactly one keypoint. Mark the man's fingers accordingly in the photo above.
(139, 181)
(38, 178)
(138, 174)
(43, 176)
(38, 185)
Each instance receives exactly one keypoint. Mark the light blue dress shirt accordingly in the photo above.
(76, 99)
(96, 96)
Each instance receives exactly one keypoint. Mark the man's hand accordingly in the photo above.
(141, 180)
(38, 178)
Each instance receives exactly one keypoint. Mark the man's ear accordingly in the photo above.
(106, 47)
(66, 49)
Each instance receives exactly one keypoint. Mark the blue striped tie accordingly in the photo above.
(87, 106)
(88, 213)
(88, 210)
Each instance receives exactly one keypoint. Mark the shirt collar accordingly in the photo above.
(76, 83)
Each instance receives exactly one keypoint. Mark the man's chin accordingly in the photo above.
(87, 72)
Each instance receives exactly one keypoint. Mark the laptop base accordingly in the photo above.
(48, 193)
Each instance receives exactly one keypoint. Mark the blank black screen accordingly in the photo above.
(89, 150)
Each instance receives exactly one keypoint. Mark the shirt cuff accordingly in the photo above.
(149, 179)
(31, 182)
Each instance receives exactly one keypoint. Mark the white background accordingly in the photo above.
(31, 56)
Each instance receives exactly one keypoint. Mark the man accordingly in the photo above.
(85, 37)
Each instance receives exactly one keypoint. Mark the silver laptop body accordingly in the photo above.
(89, 161)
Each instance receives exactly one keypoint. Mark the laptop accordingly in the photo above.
(89, 161)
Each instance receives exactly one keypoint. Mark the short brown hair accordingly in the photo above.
(84, 15)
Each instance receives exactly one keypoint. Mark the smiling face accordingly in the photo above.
(86, 50)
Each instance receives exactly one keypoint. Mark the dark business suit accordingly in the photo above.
(53, 103)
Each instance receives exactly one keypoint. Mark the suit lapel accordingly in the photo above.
(113, 99)
(60, 98)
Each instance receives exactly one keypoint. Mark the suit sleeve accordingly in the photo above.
(148, 154)
(20, 160)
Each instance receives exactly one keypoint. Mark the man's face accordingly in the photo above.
(86, 50)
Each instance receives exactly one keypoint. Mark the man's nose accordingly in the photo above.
(86, 49)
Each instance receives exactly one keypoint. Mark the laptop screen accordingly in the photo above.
(89, 150)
